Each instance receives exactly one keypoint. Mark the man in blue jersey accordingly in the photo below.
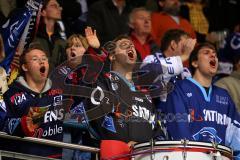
(33, 106)
(200, 111)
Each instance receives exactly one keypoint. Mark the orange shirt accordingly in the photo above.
(162, 22)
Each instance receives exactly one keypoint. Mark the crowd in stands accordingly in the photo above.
(99, 73)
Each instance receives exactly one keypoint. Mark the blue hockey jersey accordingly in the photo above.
(192, 113)
(33, 114)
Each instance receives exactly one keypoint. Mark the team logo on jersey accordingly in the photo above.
(77, 111)
(214, 116)
(64, 70)
(143, 112)
(235, 42)
(53, 92)
(79, 108)
(13, 123)
(189, 94)
(18, 98)
(57, 100)
(53, 115)
(49, 131)
(194, 116)
(222, 100)
(109, 124)
(207, 134)
(94, 100)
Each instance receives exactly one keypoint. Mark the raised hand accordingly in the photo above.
(187, 47)
(15, 62)
(92, 38)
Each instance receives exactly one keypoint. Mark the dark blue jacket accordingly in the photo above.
(45, 122)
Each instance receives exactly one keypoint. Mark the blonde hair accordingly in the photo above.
(78, 36)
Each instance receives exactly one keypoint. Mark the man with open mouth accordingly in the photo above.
(121, 126)
(207, 108)
(31, 105)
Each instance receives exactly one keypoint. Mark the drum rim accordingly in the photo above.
(180, 144)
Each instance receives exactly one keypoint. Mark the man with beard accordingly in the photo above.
(169, 18)
(33, 107)
(208, 112)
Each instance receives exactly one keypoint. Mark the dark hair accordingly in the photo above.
(32, 46)
(45, 3)
(111, 45)
(194, 55)
(172, 35)
(122, 36)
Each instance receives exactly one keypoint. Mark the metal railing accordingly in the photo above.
(45, 142)
(16, 155)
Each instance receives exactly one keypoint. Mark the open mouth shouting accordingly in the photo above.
(42, 70)
(73, 55)
(130, 54)
(213, 63)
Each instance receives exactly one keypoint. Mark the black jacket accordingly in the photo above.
(129, 111)
(105, 18)
(54, 46)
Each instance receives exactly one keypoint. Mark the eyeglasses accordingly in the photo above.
(111, 46)
(126, 45)
(37, 59)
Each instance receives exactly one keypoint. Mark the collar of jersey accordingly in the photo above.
(205, 95)
(131, 86)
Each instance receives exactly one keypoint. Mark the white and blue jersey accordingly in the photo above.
(170, 66)
(170, 70)
(192, 113)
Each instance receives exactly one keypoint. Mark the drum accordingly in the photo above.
(181, 150)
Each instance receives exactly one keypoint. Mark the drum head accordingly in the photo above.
(174, 150)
